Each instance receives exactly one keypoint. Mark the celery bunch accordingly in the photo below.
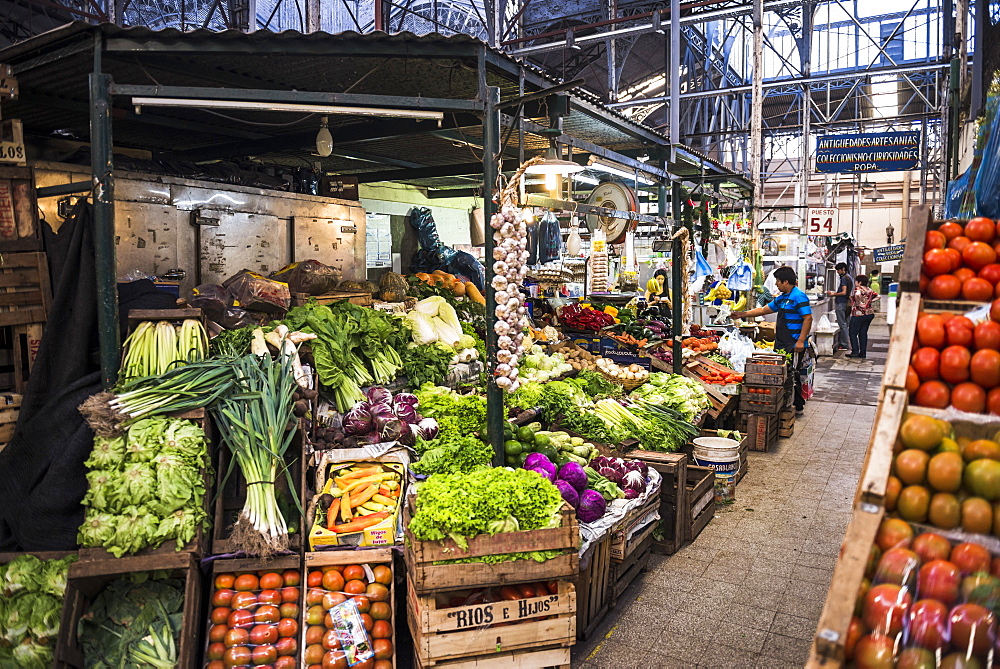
(154, 348)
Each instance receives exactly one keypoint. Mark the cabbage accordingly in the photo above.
(406, 413)
(378, 395)
(632, 494)
(422, 326)
(429, 306)
(408, 399)
(406, 434)
(547, 474)
(449, 329)
(466, 341)
(535, 460)
(357, 421)
(383, 411)
(633, 481)
(568, 492)
(427, 429)
(390, 430)
(573, 474)
(592, 506)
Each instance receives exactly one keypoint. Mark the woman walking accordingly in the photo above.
(862, 313)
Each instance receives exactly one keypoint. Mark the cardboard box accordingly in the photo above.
(589, 341)
(381, 534)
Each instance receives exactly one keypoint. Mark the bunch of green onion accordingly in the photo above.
(192, 386)
(254, 421)
(155, 347)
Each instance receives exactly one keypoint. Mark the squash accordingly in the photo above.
(473, 293)
(393, 287)
(458, 288)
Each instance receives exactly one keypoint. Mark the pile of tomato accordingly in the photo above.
(960, 262)
(924, 602)
(329, 586)
(254, 620)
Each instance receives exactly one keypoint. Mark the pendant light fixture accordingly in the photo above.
(553, 168)
(324, 140)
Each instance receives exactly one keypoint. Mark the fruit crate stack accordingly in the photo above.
(766, 394)
(528, 608)
(674, 508)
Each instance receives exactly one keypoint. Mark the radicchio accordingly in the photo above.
(634, 481)
(427, 429)
(357, 421)
(378, 395)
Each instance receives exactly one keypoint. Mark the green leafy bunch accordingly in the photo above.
(426, 363)
(672, 391)
(145, 488)
(134, 621)
(457, 415)
(485, 501)
(596, 385)
(448, 456)
(31, 594)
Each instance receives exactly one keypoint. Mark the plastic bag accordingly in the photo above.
(737, 347)
(309, 276)
(212, 299)
(254, 292)
(987, 183)
(433, 254)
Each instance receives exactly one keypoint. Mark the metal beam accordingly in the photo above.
(64, 189)
(302, 97)
(464, 169)
(491, 177)
(332, 47)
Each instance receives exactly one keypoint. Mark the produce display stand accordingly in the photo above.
(623, 573)
(674, 504)
(87, 579)
(594, 587)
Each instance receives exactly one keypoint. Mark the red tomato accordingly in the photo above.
(236, 637)
(216, 650)
(898, 566)
(237, 656)
(932, 394)
(923, 283)
(265, 654)
(939, 579)
(973, 628)
(244, 600)
(978, 255)
(290, 577)
(330, 640)
(267, 614)
(287, 646)
(242, 618)
(217, 634)
(934, 240)
(289, 594)
(963, 274)
(980, 229)
(926, 362)
(991, 273)
(985, 368)
(885, 607)
(936, 262)
(955, 364)
(968, 397)
(995, 311)
(246, 583)
(959, 243)
(950, 230)
(383, 649)
(944, 287)
(269, 597)
(977, 290)
(930, 331)
(928, 624)
(263, 634)
(874, 651)
(287, 627)
(855, 631)
(223, 597)
(289, 610)
(970, 557)
(930, 546)
(224, 581)
(987, 335)
(314, 654)
(336, 659)
(993, 401)
(959, 331)
(271, 581)
(956, 258)
(912, 380)
(220, 615)
(315, 579)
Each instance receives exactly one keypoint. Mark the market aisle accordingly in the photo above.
(749, 591)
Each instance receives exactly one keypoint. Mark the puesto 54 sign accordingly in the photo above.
(874, 152)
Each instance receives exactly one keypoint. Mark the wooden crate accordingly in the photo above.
(901, 341)
(10, 408)
(87, 579)
(199, 545)
(921, 220)
(770, 400)
(26, 293)
(761, 431)
(427, 577)
(481, 630)
(230, 496)
(673, 497)
(593, 587)
(360, 298)
(626, 571)
(786, 422)
(701, 499)
(766, 369)
(175, 316)
(628, 533)
(19, 229)
(557, 656)
(369, 556)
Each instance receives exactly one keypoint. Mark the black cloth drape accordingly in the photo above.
(41, 469)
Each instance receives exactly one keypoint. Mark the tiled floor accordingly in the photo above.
(749, 590)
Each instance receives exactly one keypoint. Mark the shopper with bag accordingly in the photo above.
(842, 306)
(863, 301)
(791, 332)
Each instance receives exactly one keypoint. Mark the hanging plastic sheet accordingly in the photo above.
(987, 183)
(701, 266)
(433, 254)
(957, 190)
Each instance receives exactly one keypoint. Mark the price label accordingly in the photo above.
(823, 222)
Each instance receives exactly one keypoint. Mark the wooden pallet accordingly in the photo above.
(454, 633)
(368, 556)
(24, 278)
(427, 577)
(761, 431)
(360, 298)
(630, 532)
(673, 497)
(88, 579)
(593, 587)
(10, 408)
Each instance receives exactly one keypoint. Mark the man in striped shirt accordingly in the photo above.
(794, 322)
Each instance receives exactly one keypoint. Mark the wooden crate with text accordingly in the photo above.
(593, 587)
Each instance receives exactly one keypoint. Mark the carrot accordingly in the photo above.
(364, 495)
(360, 523)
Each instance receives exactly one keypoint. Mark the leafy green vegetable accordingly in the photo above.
(673, 391)
(457, 415)
(596, 385)
(426, 363)
(108, 453)
(449, 455)
(30, 609)
(234, 343)
(464, 505)
(154, 494)
(127, 611)
(537, 556)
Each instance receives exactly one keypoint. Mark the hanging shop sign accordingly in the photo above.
(823, 222)
(868, 152)
(888, 253)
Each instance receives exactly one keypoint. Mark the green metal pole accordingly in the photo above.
(102, 167)
(676, 280)
(491, 153)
